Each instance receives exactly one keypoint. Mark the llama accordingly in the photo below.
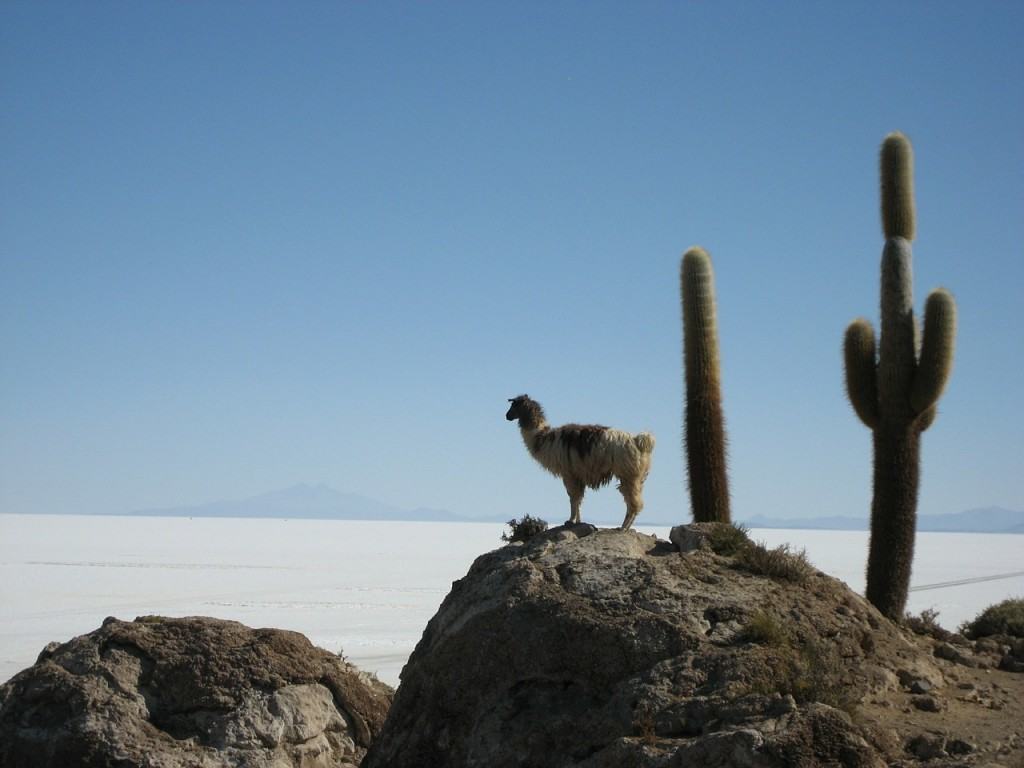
(586, 455)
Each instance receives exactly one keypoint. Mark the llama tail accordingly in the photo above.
(644, 442)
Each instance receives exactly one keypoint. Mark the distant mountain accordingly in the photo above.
(808, 523)
(985, 520)
(304, 501)
(320, 502)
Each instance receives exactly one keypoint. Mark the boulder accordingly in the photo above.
(610, 648)
(197, 692)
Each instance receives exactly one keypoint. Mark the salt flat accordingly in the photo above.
(364, 588)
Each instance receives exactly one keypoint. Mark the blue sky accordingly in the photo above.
(249, 245)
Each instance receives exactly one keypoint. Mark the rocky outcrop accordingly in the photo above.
(198, 692)
(608, 648)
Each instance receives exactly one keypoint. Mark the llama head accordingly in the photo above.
(528, 411)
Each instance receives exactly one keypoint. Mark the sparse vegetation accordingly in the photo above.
(926, 623)
(808, 671)
(643, 724)
(1005, 618)
(765, 629)
(781, 562)
(727, 539)
(817, 676)
(524, 529)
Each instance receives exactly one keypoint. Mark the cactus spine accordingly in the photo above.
(704, 432)
(895, 395)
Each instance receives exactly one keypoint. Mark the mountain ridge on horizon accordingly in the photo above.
(306, 501)
(977, 520)
(318, 501)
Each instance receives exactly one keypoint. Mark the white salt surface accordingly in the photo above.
(365, 588)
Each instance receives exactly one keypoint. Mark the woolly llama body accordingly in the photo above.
(586, 456)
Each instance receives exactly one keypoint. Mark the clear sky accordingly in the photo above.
(246, 245)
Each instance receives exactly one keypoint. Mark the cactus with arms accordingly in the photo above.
(895, 393)
(704, 424)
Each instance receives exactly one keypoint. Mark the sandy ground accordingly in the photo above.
(977, 716)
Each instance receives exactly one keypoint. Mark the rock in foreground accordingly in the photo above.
(195, 692)
(607, 648)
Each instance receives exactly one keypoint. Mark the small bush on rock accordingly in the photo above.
(765, 629)
(728, 539)
(809, 672)
(778, 563)
(926, 623)
(1005, 618)
(817, 676)
(781, 562)
(644, 726)
(524, 529)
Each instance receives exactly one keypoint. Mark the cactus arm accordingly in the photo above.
(861, 373)
(897, 175)
(936, 351)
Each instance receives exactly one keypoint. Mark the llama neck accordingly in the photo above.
(531, 432)
(531, 417)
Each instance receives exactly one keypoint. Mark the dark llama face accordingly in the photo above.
(516, 410)
(527, 411)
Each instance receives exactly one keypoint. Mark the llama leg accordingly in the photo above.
(632, 492)
(575, 490)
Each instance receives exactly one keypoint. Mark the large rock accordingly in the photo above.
(612, 648)
(197, 692)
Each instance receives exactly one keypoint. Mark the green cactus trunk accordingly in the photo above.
(895, 396)
(893, 517)
(704, 431)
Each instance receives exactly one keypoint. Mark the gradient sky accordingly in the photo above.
(246, 245)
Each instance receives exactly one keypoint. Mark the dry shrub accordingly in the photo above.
(780, 562)
(643, 725)
(811, 671)
(926, 623)
(765, 629)
(728, 539)
(1005, 618)
(524, 529)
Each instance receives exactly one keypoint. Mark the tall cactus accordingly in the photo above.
(895, 393)
(704, 433)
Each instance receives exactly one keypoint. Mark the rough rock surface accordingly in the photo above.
(607, 648)
(198, 692)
